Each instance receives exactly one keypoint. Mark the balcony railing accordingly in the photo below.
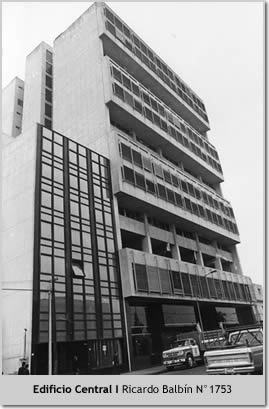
(152, 275)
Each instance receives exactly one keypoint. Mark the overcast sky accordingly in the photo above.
(217, 48)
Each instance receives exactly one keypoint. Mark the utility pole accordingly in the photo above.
(24, 344)
(50, 330)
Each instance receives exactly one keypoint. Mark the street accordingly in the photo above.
(197, 370)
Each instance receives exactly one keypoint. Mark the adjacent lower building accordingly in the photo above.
(127, 225)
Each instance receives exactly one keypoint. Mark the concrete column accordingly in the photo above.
(175, 249)
(199, 256)
(236, 267)
(218, 264)
(146, 243)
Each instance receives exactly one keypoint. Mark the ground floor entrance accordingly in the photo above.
(153, 326)
(80, 358)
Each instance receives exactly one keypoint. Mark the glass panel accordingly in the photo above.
(153, 278)
(165, 281)
(141, 277)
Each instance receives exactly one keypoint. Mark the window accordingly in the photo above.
(170, 196)
(48, 81)
(137, 158)
(167, 176)
(138, 106)
(129, 175)
(150, 187)
(48, 123)
(165, 281)
(161, 191)
(118, 91)
(49, 56)
(126, 152)
(140, 180)
(158, 170)
(48, 110)
(20, 102)
(48, 95)
(147, 163)
(48, 68)
(141, 279)
(177, 283)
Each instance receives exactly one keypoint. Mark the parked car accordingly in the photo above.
(243, 353)
(184, 351)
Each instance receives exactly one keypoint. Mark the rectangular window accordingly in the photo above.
(147, 163)
(170, 195)
(126, 152)
(161, 191)
(48, 110)
(158, 170)
(48, 68)
(49, 56)
(20, 102)
(118, 91)
(137, 158)
(179, 200)
(177, 283)
(167, 176)
(165, 281)
(48, 95)
(141, 278)
(140, 180)
(48, 81)
(138, 106)
(186, 284)
(129, 175)
(153, 279)
(150, 187)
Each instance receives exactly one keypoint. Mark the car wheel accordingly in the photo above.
(190, 361)
(169, 368)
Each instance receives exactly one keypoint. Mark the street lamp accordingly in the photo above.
(210, 272)
(197, 302)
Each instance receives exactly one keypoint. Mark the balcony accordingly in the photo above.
(151, 276)
(146, 183)
(126, 48)
(136, 108)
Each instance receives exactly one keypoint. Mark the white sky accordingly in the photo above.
(217, 49)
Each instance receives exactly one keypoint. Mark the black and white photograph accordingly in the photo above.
(132, 177)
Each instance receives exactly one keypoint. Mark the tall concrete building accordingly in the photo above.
(38, 87)
(132, 133)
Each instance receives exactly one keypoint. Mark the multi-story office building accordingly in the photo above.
(175, 233)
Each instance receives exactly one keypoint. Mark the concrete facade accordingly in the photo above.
(17, 225)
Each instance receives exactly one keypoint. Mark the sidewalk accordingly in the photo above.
(154, 370)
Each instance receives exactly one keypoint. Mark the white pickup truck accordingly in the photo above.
(242, 354)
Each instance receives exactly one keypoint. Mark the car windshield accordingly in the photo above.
(246, 338)
(180, 343)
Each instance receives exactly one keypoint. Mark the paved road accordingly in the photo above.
(197, 370)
